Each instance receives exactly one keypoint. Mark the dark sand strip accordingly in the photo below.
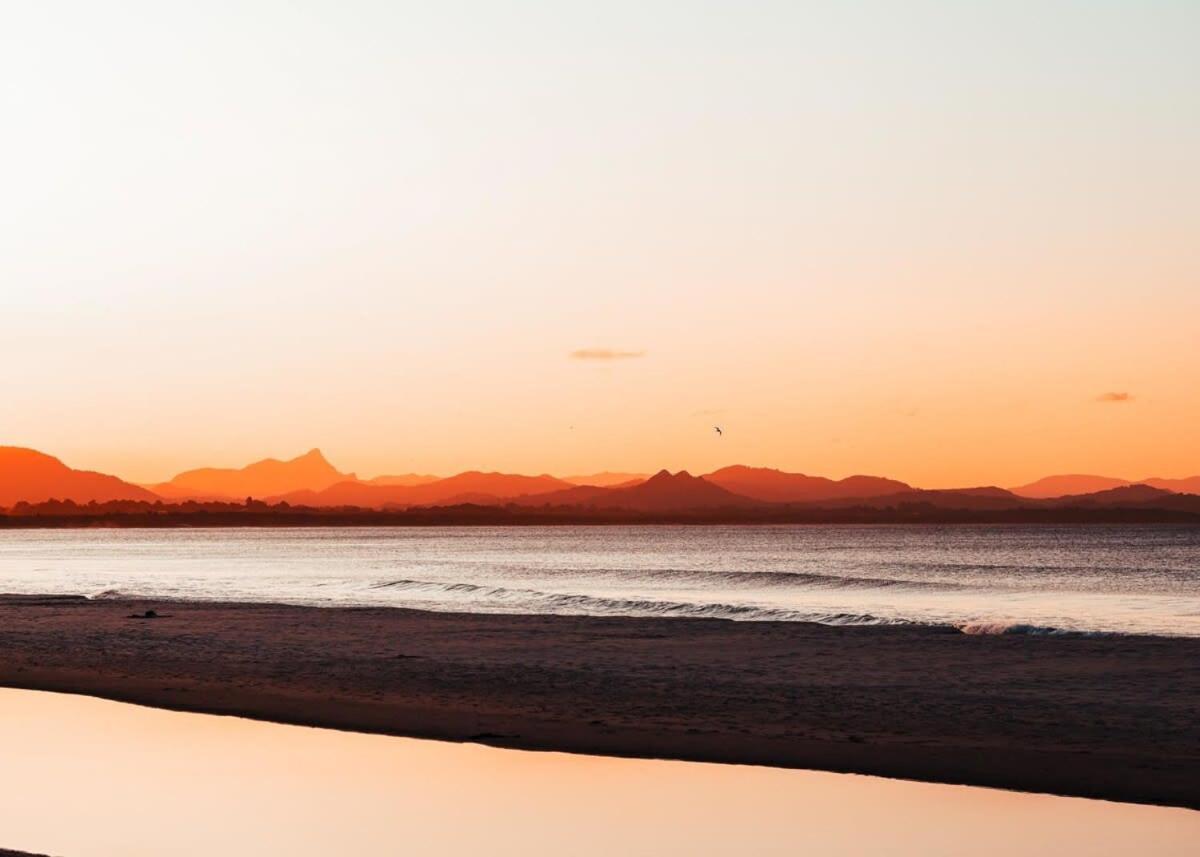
(1115, 717)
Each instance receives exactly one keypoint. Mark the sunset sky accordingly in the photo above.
(953, 243)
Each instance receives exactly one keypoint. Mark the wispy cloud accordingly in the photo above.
(1115, 397)
(604, 354)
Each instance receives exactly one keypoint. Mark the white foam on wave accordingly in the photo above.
(536, 601)
(996, 628)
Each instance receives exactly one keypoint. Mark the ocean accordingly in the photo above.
(980, 579)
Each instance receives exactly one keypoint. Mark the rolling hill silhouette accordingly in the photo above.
(34, 477)
(776, 486)
(472, 486)
(975, 499)
(662, 491)
(266, 478)
(404, 479)
(1122, 495)
(1187, 485)
(608, 479)
(1076, 484)
(680, 492)
(1067, 484)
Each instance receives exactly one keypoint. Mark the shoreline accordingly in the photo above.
(970, 628)
(1100, 717)
(22, 525)
(240, 517)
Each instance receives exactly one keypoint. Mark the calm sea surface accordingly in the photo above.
(1012, 579)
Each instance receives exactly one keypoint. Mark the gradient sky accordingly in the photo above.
(921, 239)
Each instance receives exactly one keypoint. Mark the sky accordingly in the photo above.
(952, 243)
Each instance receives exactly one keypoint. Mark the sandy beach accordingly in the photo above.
(1105, 717)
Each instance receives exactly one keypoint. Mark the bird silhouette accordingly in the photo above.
(717, 429)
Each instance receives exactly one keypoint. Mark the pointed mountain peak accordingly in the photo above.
(269, 477)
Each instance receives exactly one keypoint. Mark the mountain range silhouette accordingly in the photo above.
(310, 480)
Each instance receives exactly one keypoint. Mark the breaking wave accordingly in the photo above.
(536, 601)
(745, 579)
(1022, 628)
(794, 579)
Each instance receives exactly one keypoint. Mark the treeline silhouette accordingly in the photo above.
(256, 513)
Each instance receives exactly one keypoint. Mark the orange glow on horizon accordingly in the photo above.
(954, 250)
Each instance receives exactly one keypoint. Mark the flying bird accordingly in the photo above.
(717, 429)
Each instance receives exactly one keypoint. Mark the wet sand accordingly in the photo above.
(1108, 717)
